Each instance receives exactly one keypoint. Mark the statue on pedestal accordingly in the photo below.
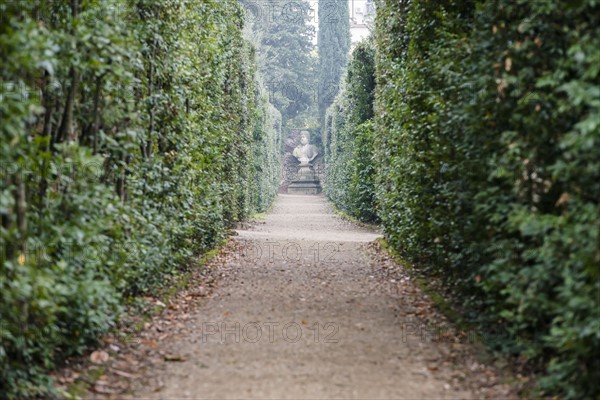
(307, 181)
(305, 152)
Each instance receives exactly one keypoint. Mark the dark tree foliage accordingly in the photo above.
(488, 127)
(132, 138)
(284, 39)
(334, 46)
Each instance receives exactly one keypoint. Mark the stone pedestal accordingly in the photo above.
(307, 181)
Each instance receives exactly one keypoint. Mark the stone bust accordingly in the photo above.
(305, 152)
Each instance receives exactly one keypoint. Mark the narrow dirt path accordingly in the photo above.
(307, 309)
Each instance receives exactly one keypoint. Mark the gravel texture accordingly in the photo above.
(307, 307)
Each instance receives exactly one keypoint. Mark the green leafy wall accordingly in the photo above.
(348, 138)
(266, 153)
(132, 138)
(488, 170)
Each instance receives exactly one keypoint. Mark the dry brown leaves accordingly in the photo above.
(120, 366)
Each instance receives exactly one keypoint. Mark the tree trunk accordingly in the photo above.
(21, 202)
(66, 127)
(95, 126)
(147, 147)
(46, 132)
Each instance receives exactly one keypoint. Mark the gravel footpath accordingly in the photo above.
(308, 307)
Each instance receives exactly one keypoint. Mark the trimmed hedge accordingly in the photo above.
(488, 122)
(348, 139)
(266, 153)
(132, 138)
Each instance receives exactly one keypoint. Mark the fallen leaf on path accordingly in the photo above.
(124, 374)
(99, 357)
(101, 388)
(175, 358)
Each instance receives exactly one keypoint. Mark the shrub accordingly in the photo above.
(132, 139)
(348, 138)
(487, 118)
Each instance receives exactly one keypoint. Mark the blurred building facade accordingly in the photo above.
(362, 17)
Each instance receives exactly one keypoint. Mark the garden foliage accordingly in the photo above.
(486, 140)
(283, 37)
(132, 138)
(487, 147)
(334, 45)
(348, 138)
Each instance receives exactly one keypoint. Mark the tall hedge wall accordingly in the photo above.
(131, 139)
(348, 138)
(266, 153)
(488, 130)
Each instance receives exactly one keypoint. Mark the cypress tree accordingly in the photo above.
(334, 45)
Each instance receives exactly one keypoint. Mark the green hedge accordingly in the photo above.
(348, 139)
(132, 138)
(266, 153)
(488, 122)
